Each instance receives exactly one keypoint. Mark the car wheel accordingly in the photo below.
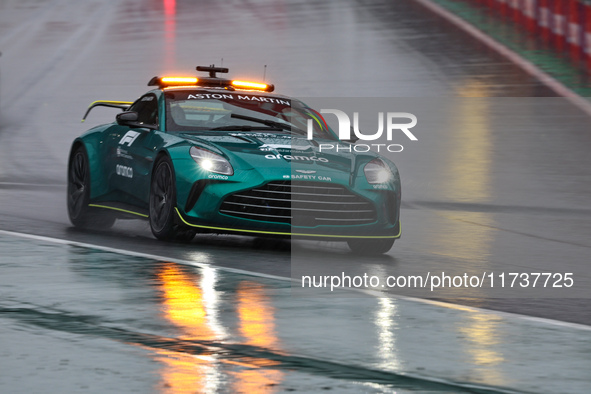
(79, 194)
(370, 246)
(163, 203)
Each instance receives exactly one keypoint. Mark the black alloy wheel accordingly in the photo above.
(163, 204)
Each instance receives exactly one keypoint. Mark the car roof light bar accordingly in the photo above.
(211, 81)
(251, 85)
(180, 80)
(173, 81)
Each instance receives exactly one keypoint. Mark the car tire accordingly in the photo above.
(163, 203)
(184, 234)
(370, 246)
(81, 215)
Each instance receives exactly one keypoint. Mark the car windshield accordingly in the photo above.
(206, 111)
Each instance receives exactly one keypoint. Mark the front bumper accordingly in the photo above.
(203, 200)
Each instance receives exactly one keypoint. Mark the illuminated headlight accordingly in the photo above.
(210, 161)
(376, 171)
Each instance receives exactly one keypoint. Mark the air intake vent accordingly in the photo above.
(306, 204)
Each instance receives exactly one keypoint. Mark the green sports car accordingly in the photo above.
(214, 155)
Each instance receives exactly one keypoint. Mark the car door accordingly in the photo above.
(132, 153)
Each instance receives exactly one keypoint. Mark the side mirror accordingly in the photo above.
(127, 117)
(130, 118)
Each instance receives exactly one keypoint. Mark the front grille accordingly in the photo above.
(305, 204)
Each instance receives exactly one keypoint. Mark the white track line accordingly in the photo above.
(447, 305)
(529, 67)
(138, 254)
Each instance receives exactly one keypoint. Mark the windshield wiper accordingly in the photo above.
(270, 123)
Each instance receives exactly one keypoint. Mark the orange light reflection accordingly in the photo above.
(257, 326)
(185, 306)
(257, 323)
(188, 302)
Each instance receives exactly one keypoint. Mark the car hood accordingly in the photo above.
(283, 151)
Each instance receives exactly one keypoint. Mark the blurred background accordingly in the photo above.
(498, 181)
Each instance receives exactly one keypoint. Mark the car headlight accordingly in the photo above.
(211, 162)
(376, 171)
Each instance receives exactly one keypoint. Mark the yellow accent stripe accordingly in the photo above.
(112, 102)
(280, 233)
(104, 102)
(118, 209)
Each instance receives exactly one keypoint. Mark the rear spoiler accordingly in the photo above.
(123, 105)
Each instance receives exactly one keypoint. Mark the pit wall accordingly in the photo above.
(554, 35)
(564, 24)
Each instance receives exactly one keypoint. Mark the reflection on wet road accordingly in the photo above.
(482, 340)
(188, 329)
(207, 331)
(185, 307)
(191, 303)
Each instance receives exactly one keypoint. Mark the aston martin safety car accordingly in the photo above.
(208, 154)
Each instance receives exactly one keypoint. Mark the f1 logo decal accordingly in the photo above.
(129, 137)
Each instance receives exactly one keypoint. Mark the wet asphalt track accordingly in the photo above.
(504, 199)
(494, 194)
